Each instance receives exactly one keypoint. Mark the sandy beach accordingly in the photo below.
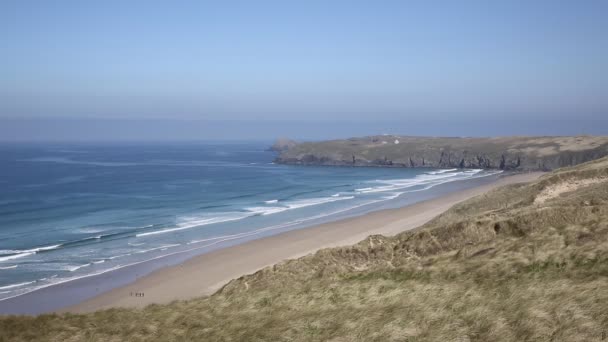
(205, 274)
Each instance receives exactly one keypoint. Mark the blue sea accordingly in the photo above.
(69, 211)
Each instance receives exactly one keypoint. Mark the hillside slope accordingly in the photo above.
(525, 262)
(510, 153)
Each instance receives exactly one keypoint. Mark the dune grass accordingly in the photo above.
(498, 267)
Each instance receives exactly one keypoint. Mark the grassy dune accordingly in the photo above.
(525, 262)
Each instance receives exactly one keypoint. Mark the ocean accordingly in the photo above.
(71, 211)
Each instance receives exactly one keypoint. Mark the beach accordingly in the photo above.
(70, 232)
(204, 274)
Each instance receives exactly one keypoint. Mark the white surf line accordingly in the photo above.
(17, 253)
(430, 183)
(75, 268)
(16, 256)
(31, 250)
(400, 184)
(297, 204)
(203, 222)
(11, 286)
(156, 248)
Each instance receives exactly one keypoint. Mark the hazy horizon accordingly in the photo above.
(192, 70)
(134, 130)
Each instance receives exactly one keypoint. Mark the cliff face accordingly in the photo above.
(507, 153)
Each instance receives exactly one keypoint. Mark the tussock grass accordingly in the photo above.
(495, 268)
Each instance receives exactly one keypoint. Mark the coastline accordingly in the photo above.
(204, 274)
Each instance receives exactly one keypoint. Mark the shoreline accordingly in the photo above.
(204, 274)
(68, 292)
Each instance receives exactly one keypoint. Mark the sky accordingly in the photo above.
(129, 70)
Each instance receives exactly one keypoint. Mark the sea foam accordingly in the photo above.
(12, 286)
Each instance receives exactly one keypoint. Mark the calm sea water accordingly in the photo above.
(69, 211)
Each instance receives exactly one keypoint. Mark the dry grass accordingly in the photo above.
(495, 268)
(564, 187)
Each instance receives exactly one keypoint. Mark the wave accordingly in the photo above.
(98, 237)
(75, 268)
(222, 238)
(196, 222)
(108, 235)
(250, 211)
(31, 250)
(436, 177)
(296, 204)
(309, 192)
(213, 206)
(12, 286)
(157, 248)
(8, 267)
(136, 244)
(271, 201)
(104, 237)
(16, 254)
(314, 201)
(218, 239)
(11, 254)
(90, 230)
(393, 196)
(438, 172)
(119, 256)
(265, 210)
(57, 282)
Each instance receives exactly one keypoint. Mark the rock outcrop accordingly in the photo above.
(505, 153)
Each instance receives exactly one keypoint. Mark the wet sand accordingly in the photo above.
(205, 274)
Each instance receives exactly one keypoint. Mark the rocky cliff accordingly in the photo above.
(507, 153)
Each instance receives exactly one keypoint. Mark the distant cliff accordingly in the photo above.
(282, 144)
(507, 153)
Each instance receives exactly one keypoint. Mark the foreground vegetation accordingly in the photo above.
(526, 262)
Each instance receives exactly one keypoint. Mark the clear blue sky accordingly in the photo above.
(336, 62)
